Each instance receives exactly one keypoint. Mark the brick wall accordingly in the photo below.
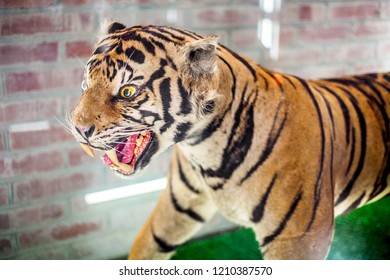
(44, 175)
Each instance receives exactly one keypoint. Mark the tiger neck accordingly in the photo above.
(222, 143)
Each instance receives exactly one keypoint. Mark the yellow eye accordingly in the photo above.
(127, 91)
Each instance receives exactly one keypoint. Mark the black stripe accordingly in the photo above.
(104, 49)
(158, 44)
(216, 123)
(133, 36)
(268, 239)
(185, 105)
(275, 79)
(243, 61)
(161, 37)
(344, 110)
(164, 246)
(329, 109)
(190, 213)
(386, 77)
(239, 141)
(119, 47)
(322, 156)
(272, 139)
(187, 33)
(265, 82)
(174, 36)
(355, 204)
(363, 80)
(159, 73)
(370, 84)
(165, 92)
(185, 181)
(135, 55)
(352, 153)
(233, 89)
(258, 211)
(147, 113)
(181, 131)
(363, 142)
(289, 80)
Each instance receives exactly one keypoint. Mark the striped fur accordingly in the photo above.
(270, 151)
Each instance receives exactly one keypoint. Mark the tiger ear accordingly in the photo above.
(114, 27)
(199, 58)
(109, 27)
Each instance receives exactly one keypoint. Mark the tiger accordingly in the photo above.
(273, 152)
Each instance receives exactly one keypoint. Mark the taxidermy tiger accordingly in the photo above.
(270, 151)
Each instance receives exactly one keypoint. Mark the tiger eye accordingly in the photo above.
(127, 91)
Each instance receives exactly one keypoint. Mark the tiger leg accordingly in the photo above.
(302, 231)
(181, 211)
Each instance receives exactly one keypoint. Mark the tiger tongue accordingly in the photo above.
(128, 150)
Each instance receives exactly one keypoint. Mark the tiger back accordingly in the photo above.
(270, 151)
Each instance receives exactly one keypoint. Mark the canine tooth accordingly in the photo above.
(88, 150)
(143, 133)
(125, 167)
(112, 155)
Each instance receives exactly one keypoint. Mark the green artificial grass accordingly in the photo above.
(361, 234)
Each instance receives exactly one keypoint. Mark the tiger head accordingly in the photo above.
(145, 88)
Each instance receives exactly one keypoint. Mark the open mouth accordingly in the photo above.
(126, 156)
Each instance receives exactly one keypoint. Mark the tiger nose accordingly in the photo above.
(86, 132)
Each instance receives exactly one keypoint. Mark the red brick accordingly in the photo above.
(290, 57)
(321, 71)
(33, 238)
(226, 17)
(384, 49)
(385, 9)
(94, 2)
(5, 167)
(12, 54)
(5, 245)
(28, 139)
(4, 195)
(353, 10)
(79, 49)
(4, 221)
(55, 78)
(324, 33)
(77, 156)
(287, 35)
(57, 232)
(373, 28)
(40, 162)
(25, 3)
(26, 216)
(111, 243)
(62, 232)
(2, 133)
(295, 12)
(372, 66)
(48, 187)
(30, 110)
(351, 52)
(29, 24)
(246, 38)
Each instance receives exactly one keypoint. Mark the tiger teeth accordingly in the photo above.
(143, 133)
(139, 140)
(112, 155)
(88, 150)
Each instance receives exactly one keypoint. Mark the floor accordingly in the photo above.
(360, 235)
